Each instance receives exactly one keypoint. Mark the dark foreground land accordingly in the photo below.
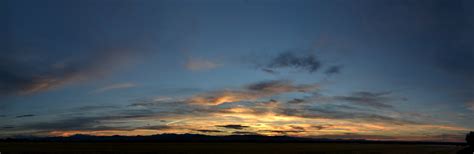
(244, 148)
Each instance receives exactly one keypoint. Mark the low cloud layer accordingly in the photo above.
(252, 110)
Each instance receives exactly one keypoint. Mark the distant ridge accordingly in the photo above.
(208, 138)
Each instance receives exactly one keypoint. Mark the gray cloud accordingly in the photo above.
(7, 127)
(94, 108)
(156, 127)
(321, 127)
(233, 126)
(335, 113)
(371, 99)
(88, 123)
(114, 87)
(283, 132)
(295, 129)
(270, 71)
(333, 70)
(208, 131)
(25, 116)
(296, 101)
(244, 133)
(300, 60)
(98, 121)
(77, 123)
(304, 61)
(279, 86)
(377, 100)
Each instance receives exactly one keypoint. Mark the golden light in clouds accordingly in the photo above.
(274, 125)
(266, 118)
(221, 97)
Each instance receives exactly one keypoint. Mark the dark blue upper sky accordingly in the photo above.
(374, 69)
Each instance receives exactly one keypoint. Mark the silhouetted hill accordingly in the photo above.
(205, 138)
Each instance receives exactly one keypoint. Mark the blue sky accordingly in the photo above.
(387, 70)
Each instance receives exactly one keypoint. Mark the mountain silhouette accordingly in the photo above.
(207, 138)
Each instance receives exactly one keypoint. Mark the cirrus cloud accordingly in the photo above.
(115, 86)
(195, 64)
(470, 105)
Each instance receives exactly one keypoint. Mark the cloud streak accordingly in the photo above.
(470, 105)
(239, 127)
(195, 64)
(114, 87)
(20, 77)
(25, 116)
(376, 100)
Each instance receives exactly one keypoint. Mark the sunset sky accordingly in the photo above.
(371, 69)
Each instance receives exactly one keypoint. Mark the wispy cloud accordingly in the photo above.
(280, 86)
(196, 64)
(470, 105)
(25, 116)
(114, 87)
(94, 108)
(359, 98)
(377, 100)
(26, 77)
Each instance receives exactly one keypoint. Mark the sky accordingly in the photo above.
(372, 69)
